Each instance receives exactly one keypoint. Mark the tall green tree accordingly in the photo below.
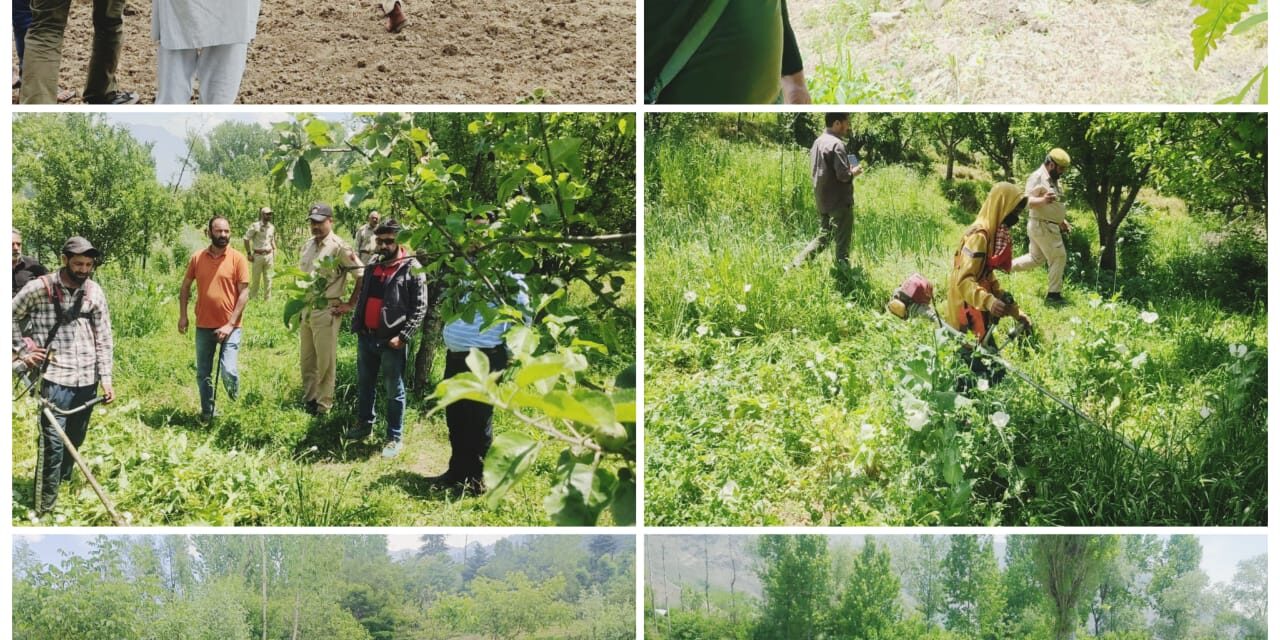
(868, 605)
(1177, 585)
(1068, 567)
(794, 573)
(76, 174)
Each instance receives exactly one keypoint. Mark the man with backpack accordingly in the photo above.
(391, 306)
(64, 313)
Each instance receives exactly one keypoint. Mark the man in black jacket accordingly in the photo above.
(392, 303)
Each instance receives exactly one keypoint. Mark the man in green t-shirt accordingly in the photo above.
(740, 52)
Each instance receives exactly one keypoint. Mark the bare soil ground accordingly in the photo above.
(452, 51)
(1027, 51)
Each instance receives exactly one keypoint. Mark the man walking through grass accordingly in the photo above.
(1047, 223)
(221, 275)
(260, 243)
(391, 306)
(329, 257)
(64, 314)
(832, 177)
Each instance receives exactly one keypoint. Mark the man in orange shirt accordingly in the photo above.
(221, 275)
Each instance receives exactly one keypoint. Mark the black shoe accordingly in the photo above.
(1054, 299)
(115, 98)
(445, 480)
(359, 432)
(312, 407)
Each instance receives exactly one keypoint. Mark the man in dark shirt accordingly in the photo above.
(24, 269)
(832, 190)
(721, 52)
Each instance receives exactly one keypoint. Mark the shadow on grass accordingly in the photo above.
(417, 486)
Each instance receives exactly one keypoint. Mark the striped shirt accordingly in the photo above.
(461, 335)
(83, 347)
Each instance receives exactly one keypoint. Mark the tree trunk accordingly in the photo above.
(706, 576)
(262, 544)
(733, 593)
(297, 599)
(424, 359)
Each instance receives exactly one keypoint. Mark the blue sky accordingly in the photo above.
(168, 132)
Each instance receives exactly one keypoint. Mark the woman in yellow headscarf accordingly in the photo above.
(974, 296)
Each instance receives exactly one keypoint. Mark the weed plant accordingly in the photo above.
(790, 397)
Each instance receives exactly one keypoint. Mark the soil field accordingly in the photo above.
(452, 51)
(1021, 51)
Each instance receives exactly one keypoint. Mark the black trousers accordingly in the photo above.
(470, 422)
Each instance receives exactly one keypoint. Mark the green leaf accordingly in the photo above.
(522, 341)
(300, 174)
(623, 505)
(510, 456)
(533, 168)
(478, 363)
(541, 368)
(565, 151)
(293, 310)
(1210, 26)
(568, 502)
(1249, 23)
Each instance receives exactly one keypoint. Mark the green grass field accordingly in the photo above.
(263, 461)
(791, 398)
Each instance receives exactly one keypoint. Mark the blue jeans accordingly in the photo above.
(206, 343)
(21, 23)
(53, 464)
(374, 356)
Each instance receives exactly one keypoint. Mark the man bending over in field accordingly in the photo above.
(221, 275)
(974, 296)
(391, 306)
(65, 314)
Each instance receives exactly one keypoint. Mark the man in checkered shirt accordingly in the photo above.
(79, 356)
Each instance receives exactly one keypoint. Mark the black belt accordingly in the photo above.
(486, 350)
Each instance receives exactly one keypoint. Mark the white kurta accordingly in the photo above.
(194, 24)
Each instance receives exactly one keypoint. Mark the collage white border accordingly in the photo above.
(639, 532)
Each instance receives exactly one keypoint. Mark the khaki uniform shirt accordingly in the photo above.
(366, 242)
(832, 184)
(313, 254)
(1038, 185)
(260, 236)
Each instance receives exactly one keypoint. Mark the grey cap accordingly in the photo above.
(78, 246)
(320, 212)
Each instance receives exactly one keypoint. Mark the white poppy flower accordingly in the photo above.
(1205, 412)
(702, 330)
(1000, 419)
(690, 296)
(746, 288)
(983, 384)
(742, 308)
(1149, 316)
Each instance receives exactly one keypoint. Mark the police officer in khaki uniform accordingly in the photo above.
(319, 327)
(260, 246)
(366, 242)
(1047, 223)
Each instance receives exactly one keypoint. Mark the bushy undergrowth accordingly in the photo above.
(263, 461)
(779, 397)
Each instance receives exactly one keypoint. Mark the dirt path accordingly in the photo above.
(1025, 51)
(452, 51)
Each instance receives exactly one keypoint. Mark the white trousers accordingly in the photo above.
(1046, 245)
(218, 68)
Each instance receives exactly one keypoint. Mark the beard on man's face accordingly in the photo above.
(221, 242)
